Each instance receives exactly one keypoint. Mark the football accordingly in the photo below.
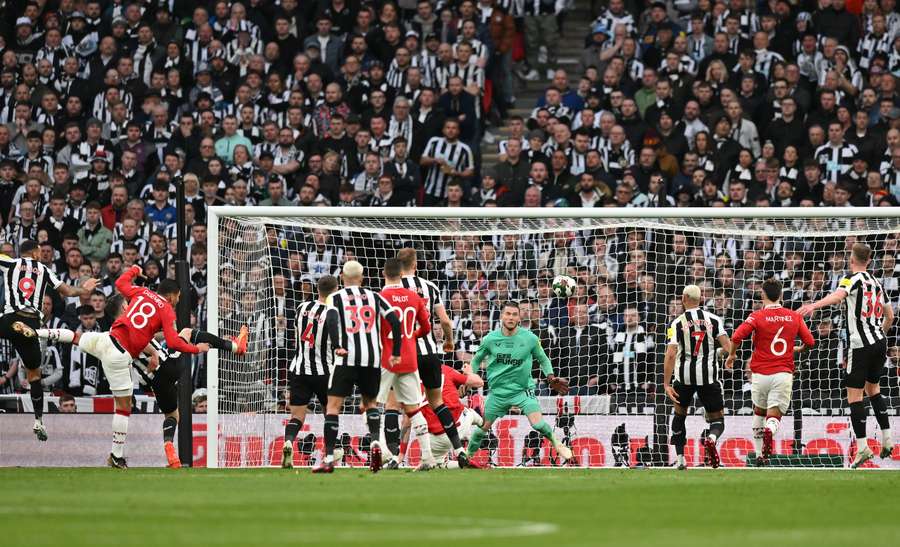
(563, 286)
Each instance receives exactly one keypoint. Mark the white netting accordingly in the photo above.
(608, 339)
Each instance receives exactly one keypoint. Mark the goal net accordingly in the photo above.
(608, 339)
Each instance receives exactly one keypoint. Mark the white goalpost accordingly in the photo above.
(608, 339)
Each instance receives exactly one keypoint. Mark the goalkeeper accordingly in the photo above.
(507, 354)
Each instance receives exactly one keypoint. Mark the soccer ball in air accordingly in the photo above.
(563, 286)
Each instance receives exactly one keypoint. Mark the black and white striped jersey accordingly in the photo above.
(865, 309)
(360, 312)
(872, 45)
(695, 333)
(25, 282)
(457, 154)
(836, 160)
(430, 293)
(317, 337)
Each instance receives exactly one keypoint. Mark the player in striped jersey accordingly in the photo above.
(869, 318)
(360, 329)
(317, 340)
(25, 281)
(430, 357)
(691, 368)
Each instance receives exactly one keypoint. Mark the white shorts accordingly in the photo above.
(407, 387)
(116, 363)
(772, 390)
(441, 445)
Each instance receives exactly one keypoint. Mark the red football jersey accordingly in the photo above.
(774, 330)
(450, 392)
(147, 314)
(411, 311)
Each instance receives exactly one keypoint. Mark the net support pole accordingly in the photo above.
(212, 325)
(183, 313)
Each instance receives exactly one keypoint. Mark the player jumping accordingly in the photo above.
(869, 318)
(509, 352)
(148, 313)
(774, 329)
(160, 368)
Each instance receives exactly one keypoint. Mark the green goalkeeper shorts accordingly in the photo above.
(497, 406)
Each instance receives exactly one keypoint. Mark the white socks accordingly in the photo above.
(886, 438)
(65, 336)
(758, 427)
(420, 427)
(120, 431)
(772, 425)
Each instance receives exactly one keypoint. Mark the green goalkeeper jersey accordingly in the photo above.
(509, 361)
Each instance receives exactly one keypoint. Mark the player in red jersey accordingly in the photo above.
(403, 377)
(147, 314)
(464, 417)
(774, 329)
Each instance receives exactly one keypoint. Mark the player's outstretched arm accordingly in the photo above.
(124, 284)
(832, 299)
(86, 287)
(174, 341)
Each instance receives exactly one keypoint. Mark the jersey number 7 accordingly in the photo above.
(700, 335)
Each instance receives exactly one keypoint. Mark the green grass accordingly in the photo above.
(200, 507)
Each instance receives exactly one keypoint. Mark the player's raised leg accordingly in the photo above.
(235, 344)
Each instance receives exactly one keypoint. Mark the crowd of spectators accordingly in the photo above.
(107, 106)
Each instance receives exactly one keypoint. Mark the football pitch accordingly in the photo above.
(520, 508)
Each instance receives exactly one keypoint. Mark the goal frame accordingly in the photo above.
(216, 213)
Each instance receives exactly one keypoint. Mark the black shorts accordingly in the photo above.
(866, 364)
(165, 386)
(710, 396)
(343, 378)
(303, 387)
(29, 349)
(430, 371)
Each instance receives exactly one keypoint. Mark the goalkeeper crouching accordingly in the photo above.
(506, 354)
